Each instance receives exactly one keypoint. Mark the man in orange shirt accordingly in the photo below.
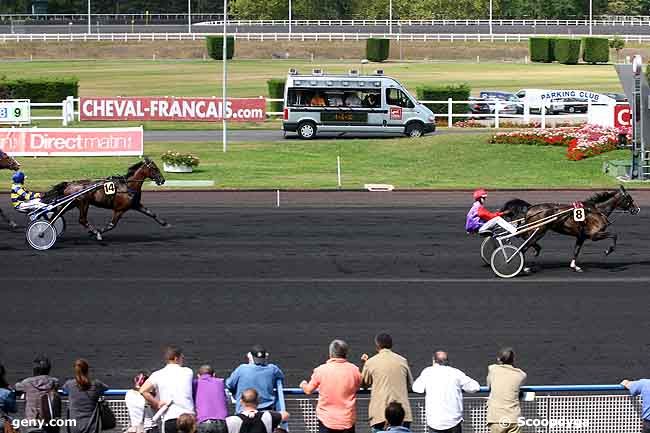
(337, 382)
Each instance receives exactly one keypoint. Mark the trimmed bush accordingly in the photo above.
(595, 50)
(276, 90)
(551, 49)
(567, 51)
(40, 89)
(539, 49)
(442, 93)
(377, 50)
(215, 47)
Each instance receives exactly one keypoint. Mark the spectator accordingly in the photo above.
(335, 100)
(140, 414)
(390, 377)
(35, 387)
(444, 386)
(186, 423)
(250, 420)
(353, 100)
(83, 397)
(317, 100)
(7, 395)
(504, 380)
(258, 374)
(394, 415)
(210, 401)
(337, 382)
(173, 388)
(641, 387)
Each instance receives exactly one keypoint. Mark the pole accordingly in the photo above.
(591, 15)
(390, 17)
(189, 16)
(224, 133)
(90, 30)
(490, 17)
(290, 17)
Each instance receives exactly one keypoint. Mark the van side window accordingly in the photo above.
(397, 97)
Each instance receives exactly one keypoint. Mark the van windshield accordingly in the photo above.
(351, 98)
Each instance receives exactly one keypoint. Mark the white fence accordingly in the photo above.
(330, 37)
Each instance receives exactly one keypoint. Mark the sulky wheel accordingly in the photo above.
(488, 246)
(41, 235)
(506, 261)
(59, 223)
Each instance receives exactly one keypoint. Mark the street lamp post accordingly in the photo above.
(390, 17)
(224, 134)
(90, 30)
(290, 17)
(490, 18)
(189, 16)
(591, 15)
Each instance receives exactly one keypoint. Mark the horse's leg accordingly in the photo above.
(117, 214)
(537, 247)
(150, 214)
(83, 219)
(8, 220)
(606, 235)
(580, 240)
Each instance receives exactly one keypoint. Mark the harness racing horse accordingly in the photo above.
(8, 163)
(127, 195)
(597, 210)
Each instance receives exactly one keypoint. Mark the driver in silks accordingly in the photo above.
(481, 220)
(21, 198)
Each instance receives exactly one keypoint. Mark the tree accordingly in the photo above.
(618, 44)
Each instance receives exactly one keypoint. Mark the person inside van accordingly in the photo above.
(371, 100)
(317, 100)
(334, 100)
(353, 100)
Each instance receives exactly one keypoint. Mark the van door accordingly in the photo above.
(400, 109)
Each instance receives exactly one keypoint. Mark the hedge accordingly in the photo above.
(567, 51)
(442, 93)
(39, 89)
(539, 49)
(551, 49)
(595, 50)
(215, 47)
(377, 50)
(276, 91)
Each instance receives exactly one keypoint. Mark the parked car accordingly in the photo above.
(478, 106)
(618, 97)
(513, 106)
(568, 105)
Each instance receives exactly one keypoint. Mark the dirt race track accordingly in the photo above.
(235, 270)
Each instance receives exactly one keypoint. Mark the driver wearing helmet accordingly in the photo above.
(21, 198)
(481, 220)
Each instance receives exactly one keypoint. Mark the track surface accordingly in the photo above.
(234, 270)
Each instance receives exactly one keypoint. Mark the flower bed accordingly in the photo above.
(580, 142)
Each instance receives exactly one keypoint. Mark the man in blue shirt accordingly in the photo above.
(641, 387)
(257, 374)
(395, 418)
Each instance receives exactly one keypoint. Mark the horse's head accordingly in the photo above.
(152, 171)
(7, 161)
(626, 202)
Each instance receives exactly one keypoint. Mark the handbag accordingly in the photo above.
(107, 419)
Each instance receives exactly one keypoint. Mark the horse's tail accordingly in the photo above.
(55, 192)
(516, 208)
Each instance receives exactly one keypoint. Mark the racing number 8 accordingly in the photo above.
(109, 188)
(579, 214)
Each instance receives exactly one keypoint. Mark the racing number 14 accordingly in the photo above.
(109, 188)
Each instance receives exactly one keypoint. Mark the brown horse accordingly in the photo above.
(8, 163)
(597, 210)
(127, 195)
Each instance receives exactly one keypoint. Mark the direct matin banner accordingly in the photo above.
(172, 109)
(72, 141)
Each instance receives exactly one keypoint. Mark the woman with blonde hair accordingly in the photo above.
(83, 399)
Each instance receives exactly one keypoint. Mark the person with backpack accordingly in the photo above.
(42, 401)
(83, 399)
(250, 420)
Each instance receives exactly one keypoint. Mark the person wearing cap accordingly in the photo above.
(258, 374)
(21, 197)
(480, 219)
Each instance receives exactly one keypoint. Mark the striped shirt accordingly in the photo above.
(20, 195)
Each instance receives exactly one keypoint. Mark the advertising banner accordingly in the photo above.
(72, 141)
(172, 109)
(622, 116)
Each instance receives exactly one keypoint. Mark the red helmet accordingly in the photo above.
(480, 193)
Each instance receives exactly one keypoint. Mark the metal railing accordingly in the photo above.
(275, 37)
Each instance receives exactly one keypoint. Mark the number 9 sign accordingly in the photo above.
(15, 111)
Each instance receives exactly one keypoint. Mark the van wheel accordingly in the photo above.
(414, 130)
(306, 130)
(571, 109)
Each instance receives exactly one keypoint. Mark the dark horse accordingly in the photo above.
(128, 192)
(8, 163)
(597, 210)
